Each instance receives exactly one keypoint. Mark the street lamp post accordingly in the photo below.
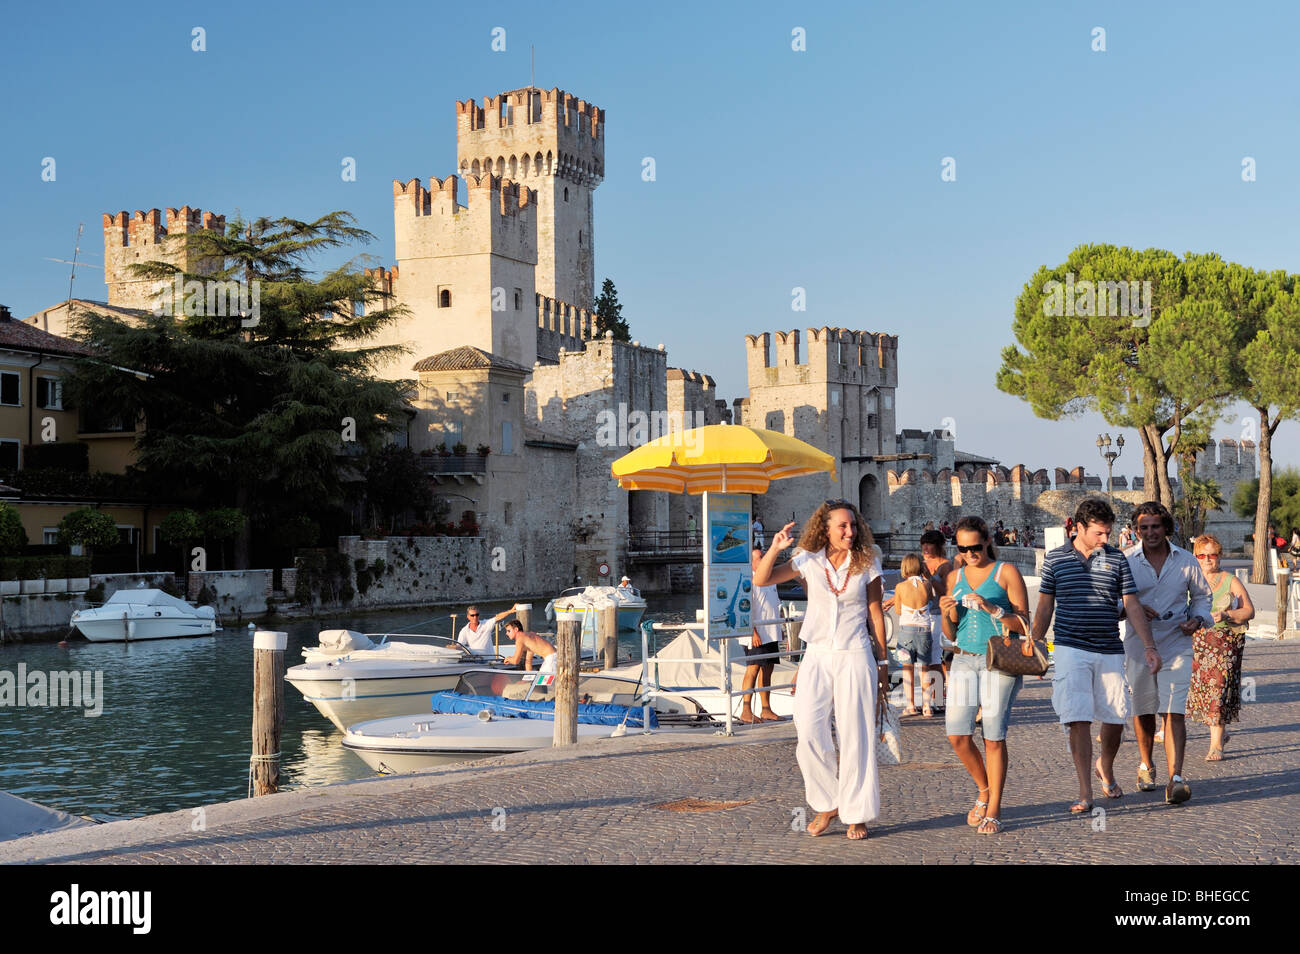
(1103, 447)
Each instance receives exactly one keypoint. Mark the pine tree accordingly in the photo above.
(251, 411)
(609, 314)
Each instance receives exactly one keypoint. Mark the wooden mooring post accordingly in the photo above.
(268, 710)
(1283, 595)
(524, 613)
(567, 634)
(607, 635)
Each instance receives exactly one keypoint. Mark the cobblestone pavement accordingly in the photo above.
(597, 803)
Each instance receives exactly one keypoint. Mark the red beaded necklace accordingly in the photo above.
(831, 583)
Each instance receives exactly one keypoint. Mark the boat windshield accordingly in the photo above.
(540, 687)
(419, 639)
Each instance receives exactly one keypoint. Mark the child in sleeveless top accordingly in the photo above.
(912, 596)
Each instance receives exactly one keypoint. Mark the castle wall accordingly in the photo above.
(587, 398)
(148, 237)
(482, 255)
(556, 144)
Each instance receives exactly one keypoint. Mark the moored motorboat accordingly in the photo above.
(591, 599)
(495, 712)
(130, 615)
(354, 677)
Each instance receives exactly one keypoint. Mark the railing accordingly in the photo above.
(463, 464)
(658, 541)
(651, 687)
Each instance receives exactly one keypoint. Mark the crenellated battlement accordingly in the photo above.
(442, 195)
(532, 106)
(150, 228)
(833, 355)
(148, 236)
(383, 280)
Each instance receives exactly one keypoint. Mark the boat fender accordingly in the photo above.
(485, 715)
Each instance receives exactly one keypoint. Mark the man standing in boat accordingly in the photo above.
(477, 636)
(528, 645)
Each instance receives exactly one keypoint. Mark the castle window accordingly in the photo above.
(507, 438)
(358, 308)
(873, 422)
(579, 238)
(505, 398)
(889, 401)
(508, 511)
(835, 398)
(566, 193)
(8, 455)
(444, 298)
(10, 391)
(519, 299)
(49, 394)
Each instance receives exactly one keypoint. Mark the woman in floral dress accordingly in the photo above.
(1215, 694)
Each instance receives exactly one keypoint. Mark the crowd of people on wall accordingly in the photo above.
(1147, 631)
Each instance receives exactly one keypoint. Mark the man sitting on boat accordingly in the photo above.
(476, 635)
(528, 645)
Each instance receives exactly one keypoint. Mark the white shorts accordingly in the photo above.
(548, 662)
(1166, 691)
(936, 640)
(1088, 687)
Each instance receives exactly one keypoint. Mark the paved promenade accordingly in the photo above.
(600, 802)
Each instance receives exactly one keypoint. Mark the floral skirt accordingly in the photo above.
(1215, 694)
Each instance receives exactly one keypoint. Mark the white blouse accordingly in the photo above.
(830, 621)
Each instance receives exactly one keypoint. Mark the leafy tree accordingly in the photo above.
(609, 314)
(1284, 510)
(1152, 372)
(251, 411)
(89, 528)
(1269, 375)
(396, 483)
(13, 537)
(1200, 496)
(180, 527)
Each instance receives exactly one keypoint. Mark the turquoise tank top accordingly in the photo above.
(975, 628)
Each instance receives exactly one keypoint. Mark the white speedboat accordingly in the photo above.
(494, 712)
(350, 677)
(588, 600)
(129, 615)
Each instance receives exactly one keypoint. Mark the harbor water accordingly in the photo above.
(174, 730)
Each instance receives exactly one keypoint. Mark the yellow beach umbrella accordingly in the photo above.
(719, 458)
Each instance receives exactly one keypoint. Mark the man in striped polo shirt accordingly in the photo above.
(1088, 580)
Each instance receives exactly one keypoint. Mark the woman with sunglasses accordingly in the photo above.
(984, 597)
(1215, 694)
(845, 668)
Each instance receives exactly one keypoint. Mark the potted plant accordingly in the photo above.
(459, 449)
(483, 450)
(442, 451)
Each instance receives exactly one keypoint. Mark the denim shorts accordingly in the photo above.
(914, 643)
(972, 685)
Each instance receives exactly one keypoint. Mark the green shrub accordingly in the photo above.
(12, 535)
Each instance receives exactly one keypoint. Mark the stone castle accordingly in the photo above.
(503, 360)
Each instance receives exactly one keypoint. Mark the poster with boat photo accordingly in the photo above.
(728, 578)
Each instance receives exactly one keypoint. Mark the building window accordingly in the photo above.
(835, 398)
(579, 238)
(454, 429)
(566, 193)
(509, 512)
(889, 401)
(49, 394)
(519, 298)
(505, 398)
(453, 396)
(507, 438)
(444, 298)
(8, 454)
(126, 536)
(10, 392)
(873, 422)
(49, 536)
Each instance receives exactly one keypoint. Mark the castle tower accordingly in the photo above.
(145, 237)
(466, 270)
(554, 144)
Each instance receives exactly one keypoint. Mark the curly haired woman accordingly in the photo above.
(845, 670)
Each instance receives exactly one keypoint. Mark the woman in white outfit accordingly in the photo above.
(844, 670)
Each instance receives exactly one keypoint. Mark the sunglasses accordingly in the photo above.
(972, 549)
(1207, 556)
(837, 504)
(473, 615)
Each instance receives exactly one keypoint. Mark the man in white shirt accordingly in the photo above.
(1176, 600)
(757, 527)
(476, 634)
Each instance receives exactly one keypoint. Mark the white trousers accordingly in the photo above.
(842, 683)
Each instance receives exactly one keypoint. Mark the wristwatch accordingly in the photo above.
(999, 614)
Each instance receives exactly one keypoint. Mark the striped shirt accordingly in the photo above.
(1088, 594)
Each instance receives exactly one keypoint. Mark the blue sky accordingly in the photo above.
(775, 169)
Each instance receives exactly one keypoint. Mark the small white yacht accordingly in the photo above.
(588, 600)
(495, 712)
(130, 615)
(350, 677)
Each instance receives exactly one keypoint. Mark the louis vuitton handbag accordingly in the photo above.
(1016, 655)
